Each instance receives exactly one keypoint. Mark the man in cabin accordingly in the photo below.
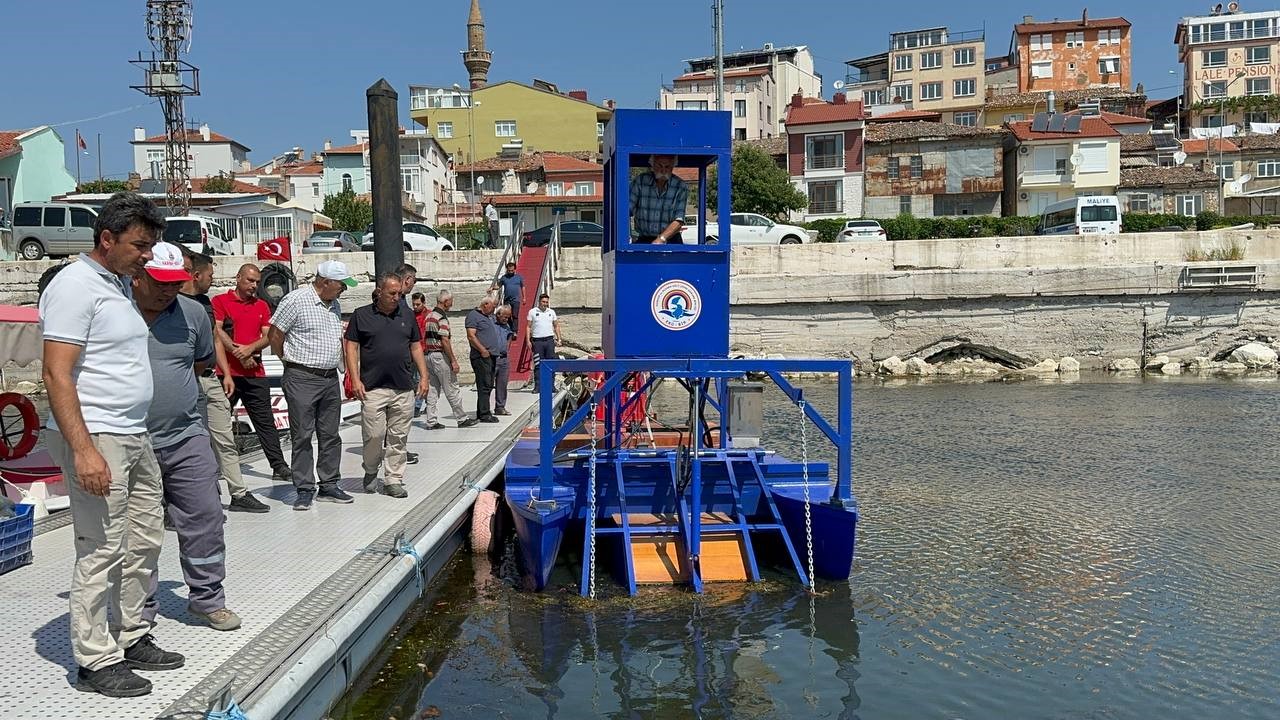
(381, 340)
(214, 391)
(180, 346)
(242, 321)
(486, 343)
(306, 334)
(658, 200)
(442, 364)
(544, 334)
(504, 318)
(98, 375)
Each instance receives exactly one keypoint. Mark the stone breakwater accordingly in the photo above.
(1258, 357)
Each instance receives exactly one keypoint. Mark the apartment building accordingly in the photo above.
(1058, 156)
(1229, 64)
(931, 169)
(1071, 54)
(824, 154)
(758, 84)
(932, 69)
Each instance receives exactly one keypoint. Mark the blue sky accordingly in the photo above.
(280, 73)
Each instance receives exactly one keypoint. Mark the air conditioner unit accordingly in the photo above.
(1023, 149)
(1023, 196)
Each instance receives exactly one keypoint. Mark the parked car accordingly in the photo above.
(330, 241)
(197, 233)
(750, 229)
(52, 229)
(861, 230)
(574, 233)
(418, 237)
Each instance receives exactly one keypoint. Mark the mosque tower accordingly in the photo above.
(475, 57)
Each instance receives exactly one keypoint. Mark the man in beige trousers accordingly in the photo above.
(382, 346)
(97, 372)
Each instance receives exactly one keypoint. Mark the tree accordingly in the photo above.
(103, 186)
(348, 212)
(759, 185)
(220, 183)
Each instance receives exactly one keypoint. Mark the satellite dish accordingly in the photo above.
(1234, 187)
(838, 84)
(479, 179)
(1233, 7)
(1245, 178)
(1077, 159)
(1179, 157)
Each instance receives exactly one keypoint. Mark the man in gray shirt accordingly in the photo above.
(180, 345)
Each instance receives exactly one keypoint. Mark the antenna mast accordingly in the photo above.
(169, 78)
(717, 8)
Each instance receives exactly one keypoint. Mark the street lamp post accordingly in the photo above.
(1222, 126)
(471, 135)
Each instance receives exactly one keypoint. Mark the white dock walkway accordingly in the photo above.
(292, 577)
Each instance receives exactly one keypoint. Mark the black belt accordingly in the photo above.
(208, 372)
(321, 372)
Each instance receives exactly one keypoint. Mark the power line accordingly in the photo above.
(121, 111)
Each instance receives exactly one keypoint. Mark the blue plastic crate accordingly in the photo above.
(15, 539)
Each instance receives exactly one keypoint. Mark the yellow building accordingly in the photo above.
(477, 124)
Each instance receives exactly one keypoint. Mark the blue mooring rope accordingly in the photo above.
(231, 712)
(406, 548)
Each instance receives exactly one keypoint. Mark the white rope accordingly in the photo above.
(591, 503)
(808, 509)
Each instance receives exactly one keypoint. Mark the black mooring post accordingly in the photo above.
(384, 176)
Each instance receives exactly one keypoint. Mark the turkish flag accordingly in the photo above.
(275, 249)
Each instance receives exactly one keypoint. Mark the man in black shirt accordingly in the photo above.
(381, 340)
(214, 392)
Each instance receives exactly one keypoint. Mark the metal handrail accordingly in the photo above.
(512, 249)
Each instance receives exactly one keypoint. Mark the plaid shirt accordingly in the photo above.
(312, 329)
(655, 210)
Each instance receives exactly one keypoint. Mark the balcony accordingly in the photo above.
(824, 162)
(854, 79)
(825, 207)
(1043, 177)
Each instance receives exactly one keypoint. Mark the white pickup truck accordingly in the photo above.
(749, 229)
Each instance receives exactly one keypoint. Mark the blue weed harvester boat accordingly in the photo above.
(703, 503)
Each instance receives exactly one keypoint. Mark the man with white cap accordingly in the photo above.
(98, 377)
(180, 346)
(306, 334)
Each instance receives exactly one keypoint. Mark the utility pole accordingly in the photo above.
(170, 78)
(717, 8)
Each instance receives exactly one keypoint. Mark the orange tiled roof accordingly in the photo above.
(238, 186)
(813, 113)
(1118, 119)
(555, 162)
(356, 149)
(1199, 147)
(906, 115)
(1090, 127)
(9, 140)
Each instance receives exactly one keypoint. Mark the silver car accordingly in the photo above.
(330, 241)
(53, 229)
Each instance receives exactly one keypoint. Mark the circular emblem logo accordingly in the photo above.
(676, 305)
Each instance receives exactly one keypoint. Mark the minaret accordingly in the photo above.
(475, 57)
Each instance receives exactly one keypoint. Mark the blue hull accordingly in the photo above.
(541, 527)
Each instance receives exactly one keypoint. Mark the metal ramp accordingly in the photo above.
(681, 545)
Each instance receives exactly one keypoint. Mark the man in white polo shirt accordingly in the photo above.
(98, 376)
(543, 335)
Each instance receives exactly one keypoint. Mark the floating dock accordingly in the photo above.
(318, 591)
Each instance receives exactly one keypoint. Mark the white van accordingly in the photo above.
(1084, 215)
(197, 233)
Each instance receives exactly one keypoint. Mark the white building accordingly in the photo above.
(294, 176)
(209, 154)
(758, 84)
(424, 170)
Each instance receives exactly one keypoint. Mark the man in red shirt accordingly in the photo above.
(420, 314)
(242, 320)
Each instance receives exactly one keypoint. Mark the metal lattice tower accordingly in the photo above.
(169, 78)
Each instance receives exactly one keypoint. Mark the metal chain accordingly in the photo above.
(808, 510)
(591, 501)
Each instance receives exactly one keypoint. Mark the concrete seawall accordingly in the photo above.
(1093, 297)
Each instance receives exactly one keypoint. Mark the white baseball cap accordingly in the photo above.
(335, 270)
(166, 265)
